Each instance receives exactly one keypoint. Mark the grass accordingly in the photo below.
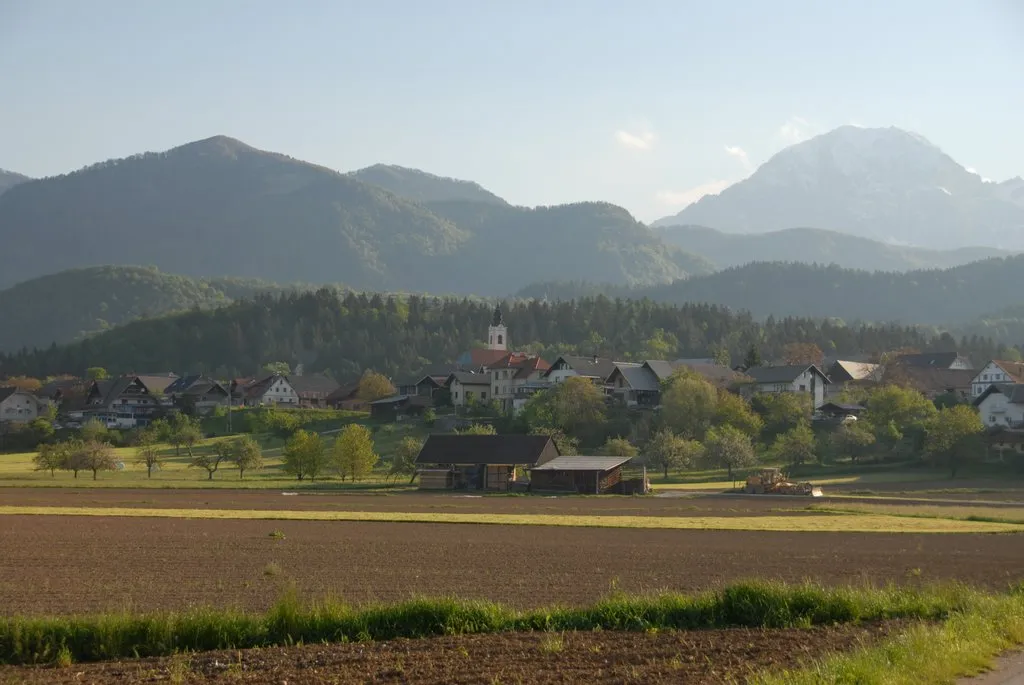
(952, 512)
(755, 604)
(826, 522)
(864, 478)
(963, 645)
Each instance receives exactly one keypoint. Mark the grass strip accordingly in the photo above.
(1014, 515)
(860, 523)
(965, 644)
(26, 640)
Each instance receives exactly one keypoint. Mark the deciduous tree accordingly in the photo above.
(478, 429)
(730, 448)
(795, 446)
(94, 430)
(304, 456)
(854, 440)
(404, 461)
(688, 404)
(354, 456)
(94, 456)
(733, 410)
(577, 405)
(954, 436)
(96, 373)
(246, 455)
(148, 454)
(51, 457)
(211, 461)
(374, 386)
(619, 447)
(666, 451)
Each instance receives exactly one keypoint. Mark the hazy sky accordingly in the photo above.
(641, 103)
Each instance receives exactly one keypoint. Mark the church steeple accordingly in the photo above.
(497, 332)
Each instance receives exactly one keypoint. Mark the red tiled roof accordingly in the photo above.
(480, 357)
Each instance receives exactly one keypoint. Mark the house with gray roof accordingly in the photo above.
(635, 385)
(1002, 405)
(597, 369)
(467, 387)
(18, 406)
(799, 379)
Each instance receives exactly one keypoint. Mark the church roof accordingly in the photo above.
(497, 319)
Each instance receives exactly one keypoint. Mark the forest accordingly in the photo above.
(346, 333)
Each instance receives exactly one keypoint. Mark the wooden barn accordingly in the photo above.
(584, 475)
(480, 462)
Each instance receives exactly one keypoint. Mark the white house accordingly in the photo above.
(1001, 405)
(802, 380)
(515, 377)
(17, 406)
(271, 391)
(467, 387)
(597, 369)
(997, 371)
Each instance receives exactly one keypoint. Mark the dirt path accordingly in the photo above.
(712, 656)
(1008, 670)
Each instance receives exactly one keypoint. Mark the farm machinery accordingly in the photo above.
(773, 482)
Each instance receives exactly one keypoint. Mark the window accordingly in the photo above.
(803, 388)
(985, 377)
(500, 339)
(483, 395)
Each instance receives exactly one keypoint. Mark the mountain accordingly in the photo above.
(937, 297)
(9, 179)
(815, 246)
(349, 332)
(218, 207)
(883, 183)
(419, 186)
(72, 304)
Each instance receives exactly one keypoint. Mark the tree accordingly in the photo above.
(619, 447)
(94, 430)
(795, 446)
(733, 410)
(666, 450)
(897, 412)
(577, 404)
(304, 456)
(688, 404)
(853, 439)
(71, 459)
(753, 358)
(279, 368)
(96, 373)
(373, 386)
(51, 458)
(730, 448)
(566, 445)
(25, 383)
(478, 429)
(954, 436)
(781, 412)
(404, 461)
(211, 461)
(148, 454)
(183, 431)
(40, 431)
(800, 353)
(246, 455)
(94, 456)
(661, 345)
(354, 455)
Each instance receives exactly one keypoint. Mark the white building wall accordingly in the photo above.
(996, 410)
(280, 392)
(986, 377)
(19, 408)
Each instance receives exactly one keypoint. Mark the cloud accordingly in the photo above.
(642, 140)
(682, 198)
(740, 154)
(796, 130)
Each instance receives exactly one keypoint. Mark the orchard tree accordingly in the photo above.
(853, 439)
(619, 447)
(404, 461)
(95, 456)
(577, 406)
(730, 448)
(354, 455)
(96, 373)
(51, 458)
(94, 430)
(733, 410)
(893, 411)
(800, 353)
(567, 445)
(246, 455)
(781, 412)
(954, 436)
(688, 404)
(666, 451)
(304, 456)
(374, 386)
(148, 454)
(795, 446)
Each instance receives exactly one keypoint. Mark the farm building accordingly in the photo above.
(480, 462)
(585, 475)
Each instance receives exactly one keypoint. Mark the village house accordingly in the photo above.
(801, 379)
(996, 371)
(312, 389)
(425, 386)
(477, 359)
(515, 378)
(397, 407)
(844, 373)
(936, 360)
(18, 406)
(1001, 405)
(480, 462)
(931, 382)
(596, 369)
(197, 394)
(635, 385)
(128, 401)
(347, 397)
(271, 390)
(468, 388)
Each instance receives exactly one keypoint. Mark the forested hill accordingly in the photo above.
(9, 179)
(72, 304)
(219, 207)
(816, 246)
(348, 333)
(938, 297)
(420, 186)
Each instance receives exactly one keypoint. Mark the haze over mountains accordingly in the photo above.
(884, 183)
(218, 207)
(9, 179)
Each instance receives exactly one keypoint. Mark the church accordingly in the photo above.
(497, 346)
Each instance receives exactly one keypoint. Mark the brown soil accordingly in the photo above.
(712, 656)
(53, 564)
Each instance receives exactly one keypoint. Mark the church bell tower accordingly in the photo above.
(497, 332)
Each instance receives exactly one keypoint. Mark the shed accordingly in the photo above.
(582, 474)
(483, 462)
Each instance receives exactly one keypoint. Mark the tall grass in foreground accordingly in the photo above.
(753, 604)
(963, 645)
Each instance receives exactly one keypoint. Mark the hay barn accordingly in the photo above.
(480, 462)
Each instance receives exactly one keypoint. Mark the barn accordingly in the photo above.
(480, 462)
(581, 474)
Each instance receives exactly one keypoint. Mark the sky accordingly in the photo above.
(646, 104)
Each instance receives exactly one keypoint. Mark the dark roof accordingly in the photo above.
(581, 463)
(638, 377)
(344, 392)
(934, 360)
(110, 389)
(394, 399)
(7, 391)
(781, 374)
(486, 449)
(837, 408)
(1014, 392)
(719, 376)
(467, 378)
(182, 384)
(661, 368)
(62, 385)
(203, 387)
(479, 357)
(589, 367)
(313, 384)
(930, 380)
(260, 387)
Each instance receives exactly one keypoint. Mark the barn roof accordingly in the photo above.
(581, 463)
(485, 449)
